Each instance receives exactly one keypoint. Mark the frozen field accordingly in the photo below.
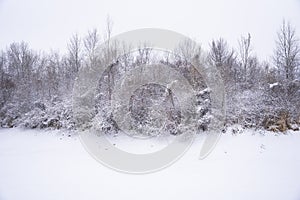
(37, 165)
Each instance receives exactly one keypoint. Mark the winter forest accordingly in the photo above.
(109, 99)
(37, 87)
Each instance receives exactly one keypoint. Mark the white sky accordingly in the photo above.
(49, 24)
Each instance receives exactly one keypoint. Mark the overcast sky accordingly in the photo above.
(49, 24)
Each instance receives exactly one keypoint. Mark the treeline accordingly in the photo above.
(261, 94)
(36, 88)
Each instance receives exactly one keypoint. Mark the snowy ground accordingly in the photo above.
(37, 165)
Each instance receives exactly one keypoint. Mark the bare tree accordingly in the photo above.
(223, 58)
(21, 67)
(144, 54)
(287, 51)
(188, 50)
(21, 60)
(6, 83)
(111, 48)
(74, 53)
(53, 74)
(91, 45)
(218, 52)
(245, 53)
(108, 29)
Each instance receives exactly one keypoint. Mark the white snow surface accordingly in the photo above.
(273, 85)
(252, 165)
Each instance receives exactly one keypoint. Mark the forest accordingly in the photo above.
(37, 87)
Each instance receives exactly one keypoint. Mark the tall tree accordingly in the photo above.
(287, 51)
(91, 46)
(74, 53)
(245, 53)
(223, 58)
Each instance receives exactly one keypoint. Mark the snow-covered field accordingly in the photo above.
(37, 165)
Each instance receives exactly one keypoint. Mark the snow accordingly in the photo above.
(273, 85)
(206, 90)
(247, 165)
